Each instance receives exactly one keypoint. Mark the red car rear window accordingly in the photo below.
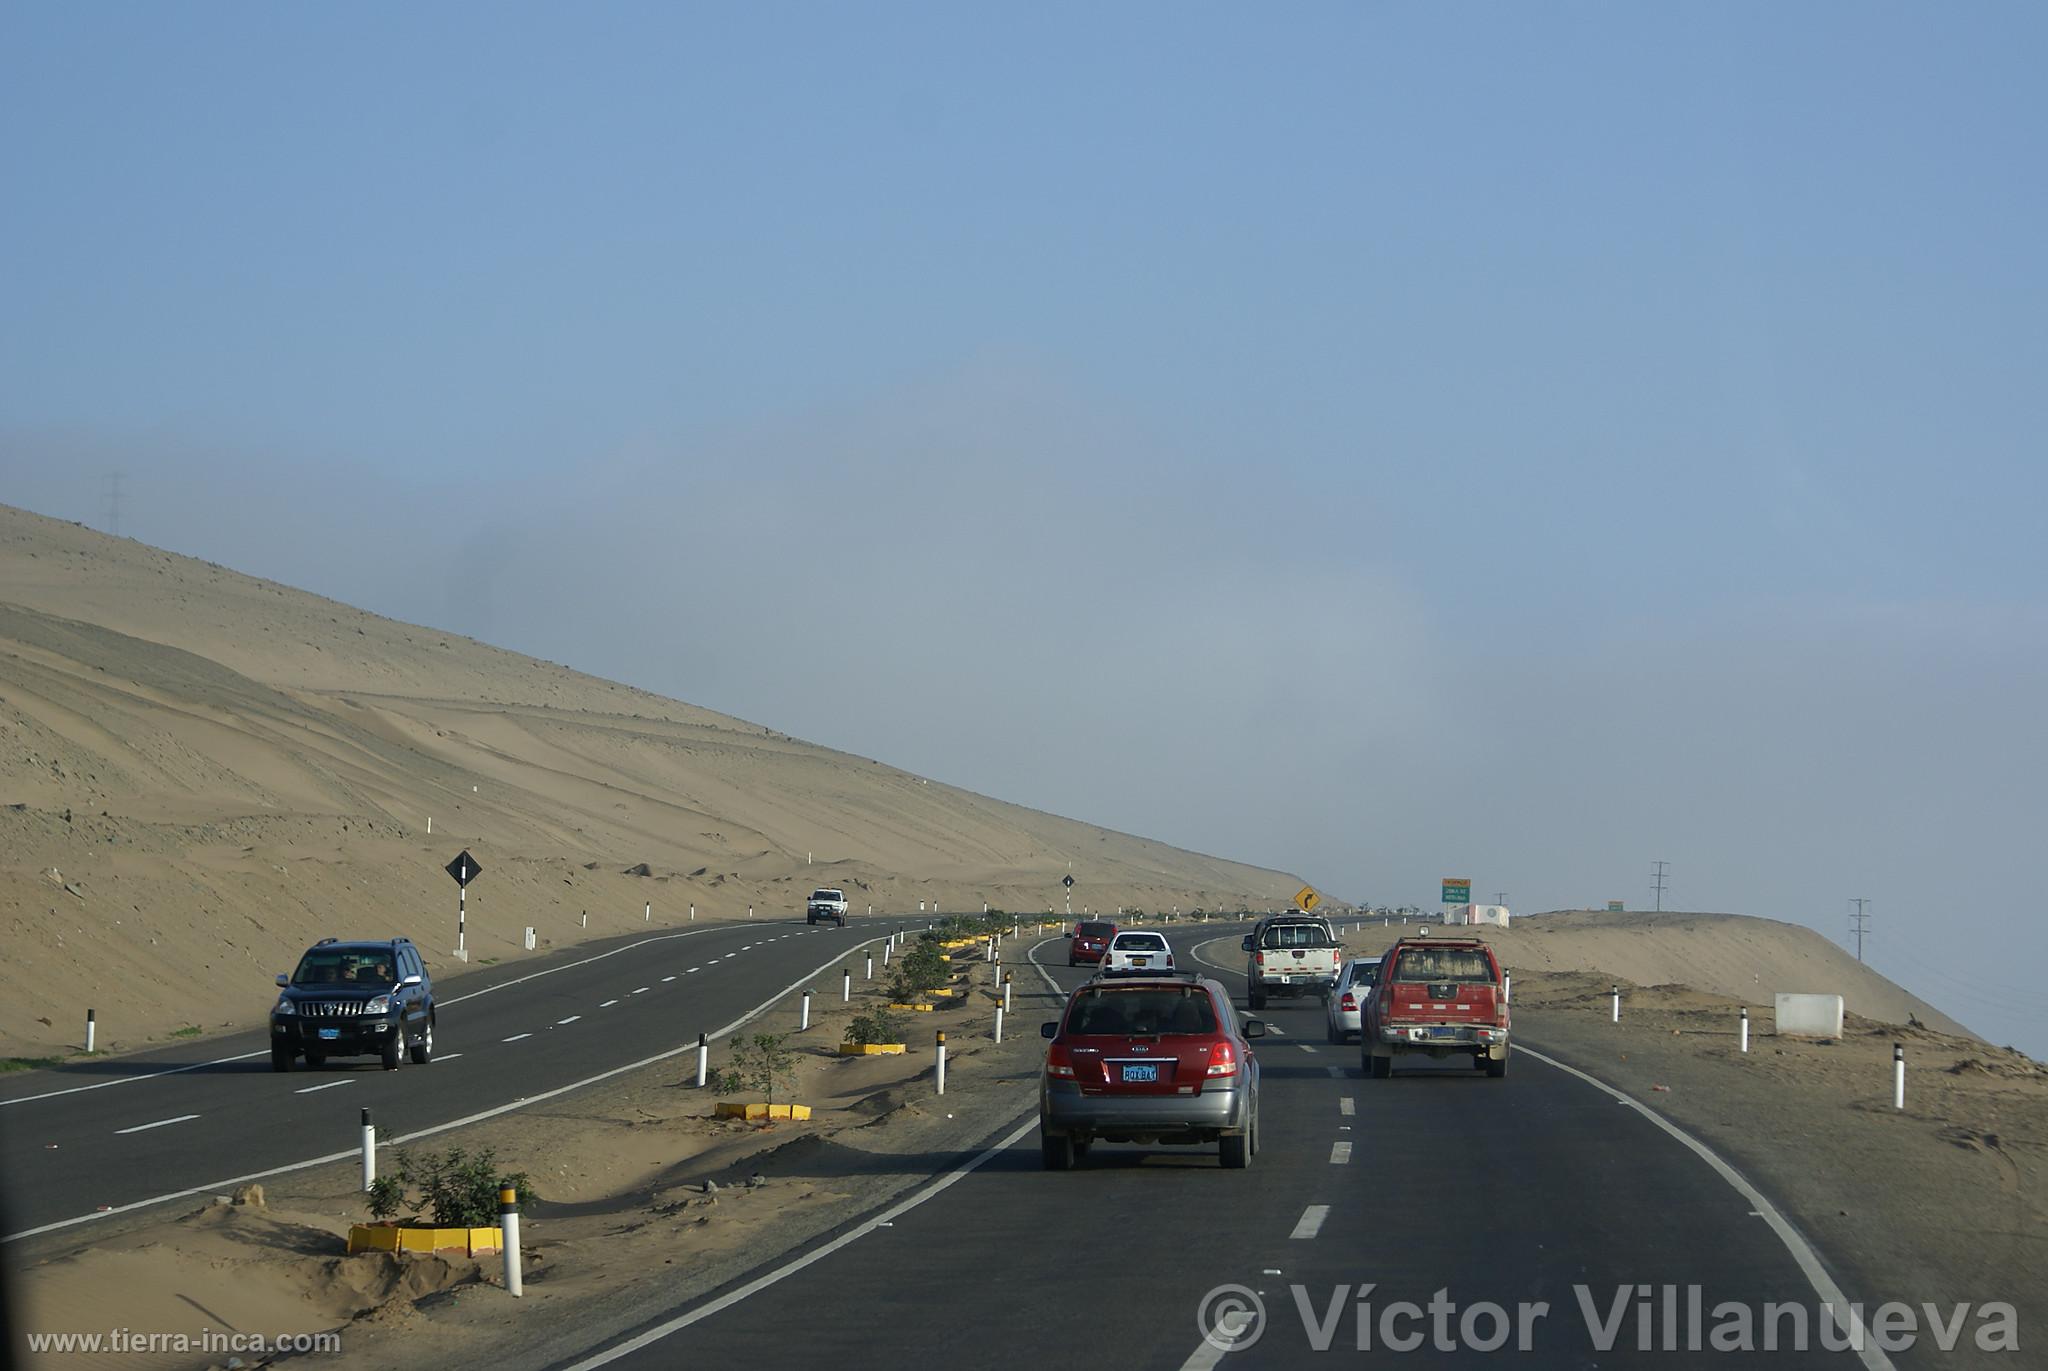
(1137, 1011)
(1093, 930)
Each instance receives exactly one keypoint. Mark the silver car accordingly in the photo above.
(1347, 1001)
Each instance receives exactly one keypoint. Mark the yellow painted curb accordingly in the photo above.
(733, 1109)
(915, 1008)
(380, 1237)
(945, 992)
(870, 1049)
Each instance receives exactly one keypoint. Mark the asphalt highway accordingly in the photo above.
(1541, 1195)
(110, 1136)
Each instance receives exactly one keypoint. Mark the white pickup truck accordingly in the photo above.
(826, 905)
(1291, 954)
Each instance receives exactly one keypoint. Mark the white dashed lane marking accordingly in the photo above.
(1340, 1153)
(563, 1023)
(328, 1086)
(1311, 1221)
(160, 1123)
(516, 1037)
(607, 1004)
(1347, 1106)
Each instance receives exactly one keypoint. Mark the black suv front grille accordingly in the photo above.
(332, 1009)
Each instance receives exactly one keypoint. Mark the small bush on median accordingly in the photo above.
(875, 1026)
(760, 1065)
(457, 1188)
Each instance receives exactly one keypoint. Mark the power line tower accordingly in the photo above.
(113, 501)
(1859, 922)
(1659, 884)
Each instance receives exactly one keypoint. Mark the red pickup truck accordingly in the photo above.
(1442, 996)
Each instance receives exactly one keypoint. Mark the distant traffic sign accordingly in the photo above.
(1457, 891)
(1306, 898)
(464, 868)
(1067, 881)
(1617, 906)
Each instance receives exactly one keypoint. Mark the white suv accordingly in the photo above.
(826, 905)
(1137, 951)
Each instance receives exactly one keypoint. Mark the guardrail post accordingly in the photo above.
(369, 1152)
(1898, 1075)
(703, 1060)
(1745, 1028)
(942, 1061)
(508, 1223)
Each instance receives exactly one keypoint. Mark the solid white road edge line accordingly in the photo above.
(218, 1187)
(1802, 1251)
(790, 1268)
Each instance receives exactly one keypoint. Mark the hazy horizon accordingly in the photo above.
(1376, 444)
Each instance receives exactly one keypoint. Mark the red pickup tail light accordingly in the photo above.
(1059, 1061)
(1222, 1059)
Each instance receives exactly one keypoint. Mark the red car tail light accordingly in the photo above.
(1058, 1061)
(1348, 1003)
(1222, 1059)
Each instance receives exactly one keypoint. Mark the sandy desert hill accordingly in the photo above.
(201, 771)
(1742, 957)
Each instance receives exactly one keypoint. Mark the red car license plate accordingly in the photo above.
(1137, 1072)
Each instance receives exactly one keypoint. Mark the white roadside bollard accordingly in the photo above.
(585, 923)
(1745, 1028)
(693, 913)
(942, 1061)
(885, 950)
(999, 1023)
(703, 1060)
(1898, 1075)
(92, 1030)
(529, 938)
(750, 911)
(846, 987)
(1617, 1004)
(804, 1018)
(1006, 990)
(647, 911)
(871, 965)
(508, 1222)
(369, 1152)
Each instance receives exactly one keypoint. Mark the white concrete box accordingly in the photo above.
(1809, 1016)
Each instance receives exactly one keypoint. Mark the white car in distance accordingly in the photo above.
(1137, 950)
(1347, 1001)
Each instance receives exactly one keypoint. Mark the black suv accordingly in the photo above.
(355, 1000)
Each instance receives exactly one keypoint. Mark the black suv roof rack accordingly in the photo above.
(324, 941)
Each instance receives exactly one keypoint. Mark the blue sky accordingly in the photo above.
(1378, 441)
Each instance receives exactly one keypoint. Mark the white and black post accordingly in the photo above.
(1745, 1028)
(508, 1223)
(803, 1021)
(999, 1023)
(846, 987)
(369, 1152)
(703, 1060)
(1006, 990)
(647, 911)
(1898, 1075)
(871, 964)
(462, 922)
(92, 1030)
(1617, 1003)
(942, 1061)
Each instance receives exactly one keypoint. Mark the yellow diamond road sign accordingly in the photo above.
(1306, 898)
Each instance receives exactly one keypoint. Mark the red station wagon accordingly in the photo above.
(1090, 941)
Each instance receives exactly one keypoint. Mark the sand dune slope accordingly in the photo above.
(202, 771)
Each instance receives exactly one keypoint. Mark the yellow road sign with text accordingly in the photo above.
(1306, 898)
